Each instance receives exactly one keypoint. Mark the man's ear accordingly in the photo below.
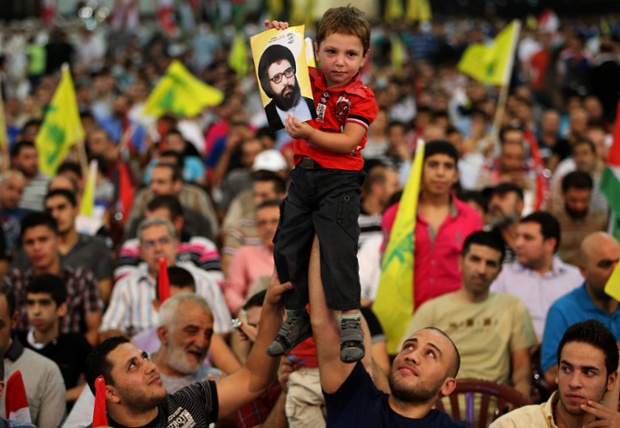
(111, 394)
(448, 386)
(62, 310)
(162, 334)
(611, 381)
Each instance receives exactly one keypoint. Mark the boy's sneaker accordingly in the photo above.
(351, 340)
(295, 330)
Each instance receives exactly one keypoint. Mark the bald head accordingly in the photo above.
(600, 255)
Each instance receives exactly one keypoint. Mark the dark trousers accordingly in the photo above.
(325, 202)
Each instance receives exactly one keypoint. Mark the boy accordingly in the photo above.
(324, 197)
(46, 303)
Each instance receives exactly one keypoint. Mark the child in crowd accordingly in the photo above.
(324, 196)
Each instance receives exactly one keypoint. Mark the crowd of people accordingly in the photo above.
(513, 242)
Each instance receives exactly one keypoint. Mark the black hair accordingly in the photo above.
(549, 226)
(583, 141)
(175, 169)
(97, 363)
(181, 277)
(69, 166)
(476, 196)
(171, 203)
(49, 284)
(268, 203)
(441, 147)
(19, 146)
(38, 218)
(273, 53)
(594, 333)
(257, 299)
(278, 183)
(67, 194)
(178, 157)
(577, 180)
(488, 239)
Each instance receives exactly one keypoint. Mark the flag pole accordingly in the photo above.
(4, 163)
(500, 108)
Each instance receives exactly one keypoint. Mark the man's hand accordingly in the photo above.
(606, 418)
(284, 371)
(278, 25)
(297, 129)
(275, 291)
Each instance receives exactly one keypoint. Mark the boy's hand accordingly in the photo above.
(278, 25)
(297, 129)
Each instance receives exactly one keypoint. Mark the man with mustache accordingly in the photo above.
(492, 331)
(277, 73)
(505, 208)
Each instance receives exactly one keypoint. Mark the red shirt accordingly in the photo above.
(352, 102)
(436, 264)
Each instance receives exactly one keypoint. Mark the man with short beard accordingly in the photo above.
(277, 73)
(576, 219)
(422, 372)
(504, 211)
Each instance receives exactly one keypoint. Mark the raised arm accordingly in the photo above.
(260, 371)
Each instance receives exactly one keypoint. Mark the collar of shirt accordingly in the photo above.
(547, 409)
(558, 267)
(15, 350)
(454, 211)
(354, 87)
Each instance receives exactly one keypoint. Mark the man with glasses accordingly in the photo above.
(131, 309)
(276, 72)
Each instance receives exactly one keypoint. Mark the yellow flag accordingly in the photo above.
(418, 10)
(394, 302)
(612, 287)
(397, 54)
(238, 56)
(492, 64)
(61, 126)
(88, 197)
(394, 10)
(180, 93)
(309, 48)
(275, 8)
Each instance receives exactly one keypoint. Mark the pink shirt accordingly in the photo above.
(436, 264)
(249, 263)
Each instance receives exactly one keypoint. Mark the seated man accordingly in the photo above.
(600, 253)
(46, 301)
(43, 382)
(493, 331)
(131, 310)
(135, 395)
(422, 372)
(538, 277)
(588, 357)
(40, 241)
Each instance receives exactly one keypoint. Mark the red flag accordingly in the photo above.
(100, 418)
(49, 12)
(165, 17)
(613, 156)
(162, 281)
(16, 402)
(125, 192)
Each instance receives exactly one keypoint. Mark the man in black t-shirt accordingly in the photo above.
(135, 395)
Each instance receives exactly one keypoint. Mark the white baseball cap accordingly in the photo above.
(269, 160)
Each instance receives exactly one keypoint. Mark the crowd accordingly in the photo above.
(513, 244)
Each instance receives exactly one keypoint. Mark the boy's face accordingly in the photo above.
(43, 311)
(340, 56)
(439, 175)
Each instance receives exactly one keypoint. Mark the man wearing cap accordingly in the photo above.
(504, 211)
(276, 72)
(538, 277)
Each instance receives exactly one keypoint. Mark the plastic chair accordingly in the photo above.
(483, 398)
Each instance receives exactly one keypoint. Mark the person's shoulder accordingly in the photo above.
(34, 359)
(440, 419)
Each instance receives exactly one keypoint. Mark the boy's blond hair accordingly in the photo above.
(346, 20)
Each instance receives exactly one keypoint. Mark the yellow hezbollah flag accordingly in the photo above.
(612, 287)
(238, 57)
(397, 54)
(492, 64)
(88, 197)
(394, 302)
(394, 10)
(418, 10)
(61, 126)
(180, 93)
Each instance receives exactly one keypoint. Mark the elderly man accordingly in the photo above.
(131, 311)
(276, 72)
(136, 396)
(600, 253)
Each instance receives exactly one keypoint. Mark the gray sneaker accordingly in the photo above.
(294, 330)
(351, 340)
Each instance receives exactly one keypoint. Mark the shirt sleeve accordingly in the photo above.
(523, 335)
(52, 410)
(92, 294)
(364, 110)
(118, 312)
(234, 290)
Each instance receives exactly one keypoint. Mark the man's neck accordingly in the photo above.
(435, 200)
(54, 269)
(603, 302)
(45, 337)
(408, 410)
(372, 206)
(545, 266)
(470, 297)
(68, 240)
(563, 419)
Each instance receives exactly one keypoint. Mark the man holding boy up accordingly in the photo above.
(324, 196)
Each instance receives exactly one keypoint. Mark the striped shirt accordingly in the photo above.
(34, 193)
(83, 296)
(131, 305)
